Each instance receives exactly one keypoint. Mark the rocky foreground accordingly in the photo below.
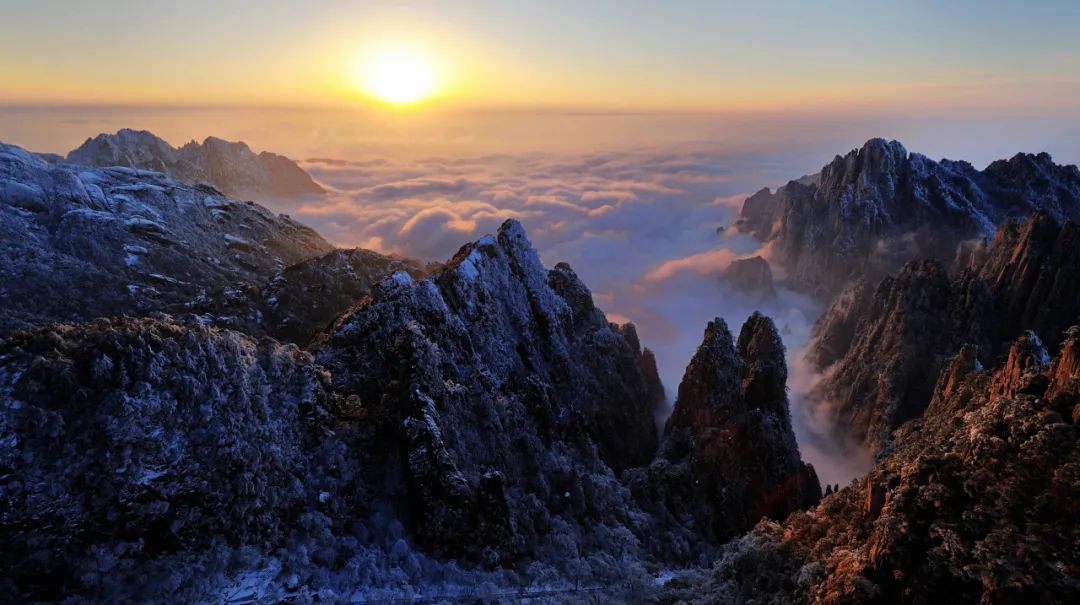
(975, 502)
(484, 423)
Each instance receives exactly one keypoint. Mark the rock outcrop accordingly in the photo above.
(501, 400)
(231, 167)
(975, 502)
(81, 243)
(882, 348)
(751, 276)
(878, 207)
(729, 456)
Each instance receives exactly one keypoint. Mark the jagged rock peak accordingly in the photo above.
(711, 388)
(878, 207)
(729, 455)
(916, 321)
(231, 167)
(980, 477)
(481, 373)
(764, 380)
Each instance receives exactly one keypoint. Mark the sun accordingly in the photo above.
(397, 75)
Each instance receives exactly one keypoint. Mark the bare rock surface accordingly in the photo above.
(729, 455)
(881, 348)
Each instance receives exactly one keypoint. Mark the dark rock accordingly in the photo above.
(975, 502)
(878, 207)
(750, 275)
(880, 374)
(495, 365)
(729, 456)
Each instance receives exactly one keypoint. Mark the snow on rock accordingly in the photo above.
(71, 231)
(502, 388)
(230, 167)
(869, 212)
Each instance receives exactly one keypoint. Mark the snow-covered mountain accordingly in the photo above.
(233, 168)
(869, 212)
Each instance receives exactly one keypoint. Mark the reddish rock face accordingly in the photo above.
(976, 500)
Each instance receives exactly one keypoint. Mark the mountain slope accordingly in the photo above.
(230, 167)
(81, 243)
(882, 348)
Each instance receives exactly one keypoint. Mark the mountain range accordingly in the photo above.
(205, 401)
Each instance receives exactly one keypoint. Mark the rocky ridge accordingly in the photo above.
(869, 212)
(81, 243)
(231, 167)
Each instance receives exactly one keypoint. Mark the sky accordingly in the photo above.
(966, 57)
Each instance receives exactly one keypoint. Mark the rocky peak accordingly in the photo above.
(476, 377)
(912, 323)
(231, 167)
(901, 327)
(729, 455)
(764, 380)
(711, 388)
(870, 173)
(983, 475)
(878, 207)
(750, 275)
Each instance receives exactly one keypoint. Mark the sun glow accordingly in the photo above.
(398, 76)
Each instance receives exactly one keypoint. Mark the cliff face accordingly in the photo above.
(878, 207)
(729, 456)
(82, 243)
(879, 373)
(505, 394)
(230, 167)
(976, 500)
